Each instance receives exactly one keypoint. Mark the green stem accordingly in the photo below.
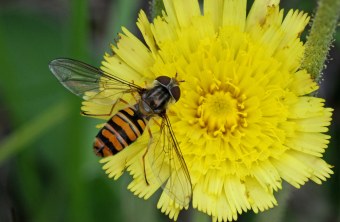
(320, 37)
(156, 8)
(32, 130)
(74, 180)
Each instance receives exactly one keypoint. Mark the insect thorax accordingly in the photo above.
(154, 101)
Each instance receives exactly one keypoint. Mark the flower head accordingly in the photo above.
(245, 121)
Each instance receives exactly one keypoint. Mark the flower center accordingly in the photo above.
(221, 111)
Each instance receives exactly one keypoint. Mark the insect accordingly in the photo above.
(128, 124)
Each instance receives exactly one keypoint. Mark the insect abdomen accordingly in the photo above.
(119, 132)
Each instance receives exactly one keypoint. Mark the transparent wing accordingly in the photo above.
(168, 165)
(89, 82)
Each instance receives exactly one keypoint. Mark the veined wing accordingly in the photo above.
(168, 165)
(89, 82)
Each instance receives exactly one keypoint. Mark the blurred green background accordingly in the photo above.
(52, 174)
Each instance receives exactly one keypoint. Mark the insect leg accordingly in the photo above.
(146, 151)
(111, 110)
(157, 123)
(136, 98)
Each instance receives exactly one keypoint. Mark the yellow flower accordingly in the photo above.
(246, 120)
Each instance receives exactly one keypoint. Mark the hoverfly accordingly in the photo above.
(129, 123)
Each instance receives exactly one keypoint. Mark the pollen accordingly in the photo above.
(220, 111)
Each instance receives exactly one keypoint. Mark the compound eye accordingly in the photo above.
(175, 92)
(163, 80)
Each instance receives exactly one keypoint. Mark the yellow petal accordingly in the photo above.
(234, 13)
(260, 199)
(258, 12)
(214, 9)
(133, 52)
(182, 11)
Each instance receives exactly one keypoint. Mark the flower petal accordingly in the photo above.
(260, 199)
(234, 13)
(214, 9)
(182, 11)
(258, 12)
(133, 52)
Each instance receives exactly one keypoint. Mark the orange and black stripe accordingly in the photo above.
(119, 132)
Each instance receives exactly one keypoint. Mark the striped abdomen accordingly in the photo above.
(119, 132)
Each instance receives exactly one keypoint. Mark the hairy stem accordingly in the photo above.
(320, 37)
